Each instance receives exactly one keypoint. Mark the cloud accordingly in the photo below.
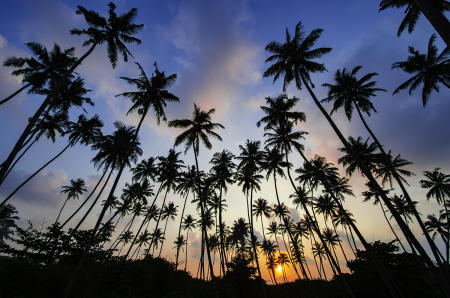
(42, 190)
(294, 214)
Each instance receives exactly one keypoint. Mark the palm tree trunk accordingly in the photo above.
(430, 241)
(34, 174)
(31, 123)
(294, 243)
(15, 93)
(340, 244)
(95, 201)
(290, 255)
(448, 232)
(59, 214)
(185, 260)
(164, 235)
(437, 19)
(159, 217)
(117, 241)
(88, 197)
(143, 222)
(392, 229)
(222, 240)
(179, 230)
(203, 226)
(403, 226)
(20, 156)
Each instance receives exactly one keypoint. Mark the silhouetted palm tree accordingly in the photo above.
(429, 69)
(197, 129)
(73, 191)
(36, 72)
(170, 212)
(189, 224)
(262, 209)
(115, 31)
(434, 11)
(283, 261)
(438, 185)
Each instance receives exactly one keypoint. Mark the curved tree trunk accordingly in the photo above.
(392, 229)
(179, 229)
(20, 156)
(430, 241)
(59, 214)
(159, 217)
(93, 203)
(19, 144)
(88, 197)
(34, 174)
(14, 94)
(436, 18)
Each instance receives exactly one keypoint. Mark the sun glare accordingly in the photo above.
(279, 269)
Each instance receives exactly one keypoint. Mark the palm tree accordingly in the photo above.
(36, 72)
(262, 209)
(271, 263)
(186, 184)
(115, 30)
(170, 212)
(222, 173)
(294, 60)
(319, 252)
(283, 261)
(189, 224)
(436, 226)
(179, 242)
(73, 191)
(434, 11)
(438, 185)
(124, 239)
(200, 127)
(84, 131)
(7, 219)
(123, 148)
(146, 169)
(429, 69)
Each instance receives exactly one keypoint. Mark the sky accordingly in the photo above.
(216, 48)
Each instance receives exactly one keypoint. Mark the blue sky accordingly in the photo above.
(217, 50)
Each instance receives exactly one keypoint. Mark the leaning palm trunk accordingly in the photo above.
(430, 241)
(392, 229)
(31, 123)
(87, 199)
(143, 222)
(21, 155)
(221, 226)
(285, 220)
(59, 214)
(94, 202)
(159, 218)
(437, 19)
(164, 234)
(403, 226)
(179, 229)
(15, 93)
(34, 174)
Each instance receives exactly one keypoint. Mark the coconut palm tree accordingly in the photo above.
(73, 191)
(434, 11)
(319, 252)
(7, 221)
(186, 184)
(170, 212)
(430, 69)
(262, 209)
(222, 174)
(124, 238)
(36, 72)
(293, 59)
(146, 169)
(197, 129)
(115, 30)
(271, 264)
(123, 148)
(189, 224)
(436, 226)
(283, 261)
(84, 131)
(438, 185)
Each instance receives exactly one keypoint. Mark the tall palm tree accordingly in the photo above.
(186, 184)
(73, 191)
(438, 185)
(115, 30)
(262, 209)
(36, 72)
(170, 212)
(283, 261)
(123, 148)
(430, 69)
(7, 221)
(189, 224)
(222, 173)
(197, 129)
(84, 131)
(293, 59)
(434, 11)
(146, 169)
(436, 226)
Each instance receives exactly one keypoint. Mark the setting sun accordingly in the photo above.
(279, 269)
